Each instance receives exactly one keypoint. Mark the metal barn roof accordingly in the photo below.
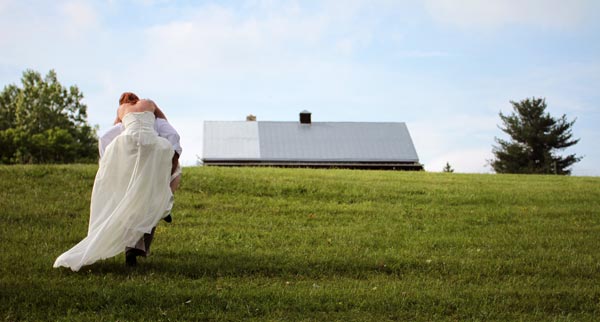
(231, 140)
(315, 142)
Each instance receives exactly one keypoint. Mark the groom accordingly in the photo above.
(165, 130)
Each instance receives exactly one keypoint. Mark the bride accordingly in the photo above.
(131, 191)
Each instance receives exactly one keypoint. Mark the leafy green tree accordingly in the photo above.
(44, 122)
(536, 137)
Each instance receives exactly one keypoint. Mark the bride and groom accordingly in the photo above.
(133, 190)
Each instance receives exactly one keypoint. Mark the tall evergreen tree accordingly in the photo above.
(44, 122)
(536, 137)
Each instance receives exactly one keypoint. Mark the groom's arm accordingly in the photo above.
(108, 137)
(167, 131)
(159, 113)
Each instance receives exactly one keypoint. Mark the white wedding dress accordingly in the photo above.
(131, 193)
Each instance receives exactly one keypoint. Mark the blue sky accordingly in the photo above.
(445, 67)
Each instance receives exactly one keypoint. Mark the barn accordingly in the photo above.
(353, 145)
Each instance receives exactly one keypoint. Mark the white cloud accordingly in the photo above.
(43, 35)
(80, 16)
(555, 14)
(217, 37)
(215, 50)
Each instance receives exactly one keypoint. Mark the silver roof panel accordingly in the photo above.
(231, 140)
(319, 141)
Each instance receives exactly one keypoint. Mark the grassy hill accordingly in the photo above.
(300, 244)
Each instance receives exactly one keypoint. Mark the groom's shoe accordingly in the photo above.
(168, 218)
(130, 259)
(131, 256)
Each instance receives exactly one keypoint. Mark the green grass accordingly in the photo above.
(313, 245)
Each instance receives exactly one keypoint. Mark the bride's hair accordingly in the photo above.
(128, 98)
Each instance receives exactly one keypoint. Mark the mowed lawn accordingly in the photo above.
(313, 245)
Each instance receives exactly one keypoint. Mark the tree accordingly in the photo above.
(536, 137)
(44, 122)
(448, 168)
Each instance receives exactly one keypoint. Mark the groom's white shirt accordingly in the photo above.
(162, 127)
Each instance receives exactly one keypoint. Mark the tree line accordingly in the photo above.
(42, 121)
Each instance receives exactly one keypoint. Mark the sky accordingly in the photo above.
(445, 67)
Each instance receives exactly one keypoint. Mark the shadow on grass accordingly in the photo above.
(235, 264)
